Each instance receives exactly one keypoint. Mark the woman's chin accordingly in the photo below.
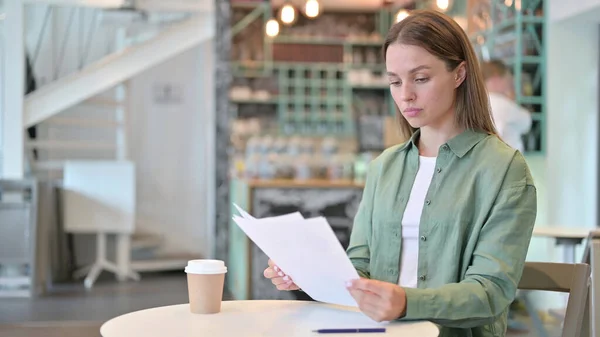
(416, 123)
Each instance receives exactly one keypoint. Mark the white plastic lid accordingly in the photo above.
(206, 267)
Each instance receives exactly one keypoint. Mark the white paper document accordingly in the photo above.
(305, 249)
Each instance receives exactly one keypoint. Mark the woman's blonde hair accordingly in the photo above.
(444, 38)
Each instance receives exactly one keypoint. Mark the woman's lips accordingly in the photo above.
(412, 112)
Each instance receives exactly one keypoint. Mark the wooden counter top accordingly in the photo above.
(309, 183)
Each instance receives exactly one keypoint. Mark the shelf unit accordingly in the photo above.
(313, 100)
(500, 29)
(312, 97)
(316, 95)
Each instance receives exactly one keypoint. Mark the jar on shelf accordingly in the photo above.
(284, 167)
(280, 145)
(302, 167)
(335, 168)
(251, 166)
(266, 167)
(294, 147)
(329, 147)
(348, 165)
(252, 146)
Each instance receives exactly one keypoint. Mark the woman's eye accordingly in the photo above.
(421, 80)
(395, 83)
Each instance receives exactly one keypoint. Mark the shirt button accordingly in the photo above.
(422, 277)
(439, 170)
(427, 202)
(423, 238)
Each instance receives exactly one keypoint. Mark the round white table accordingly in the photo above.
(256, 318)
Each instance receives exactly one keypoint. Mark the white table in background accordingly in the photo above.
(255, 318)
(569, 237)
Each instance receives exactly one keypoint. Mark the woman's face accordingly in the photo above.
(421, 85)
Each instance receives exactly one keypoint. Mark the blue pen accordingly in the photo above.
(371, 330)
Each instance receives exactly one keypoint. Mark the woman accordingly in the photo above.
(512, 120)
(445, 221)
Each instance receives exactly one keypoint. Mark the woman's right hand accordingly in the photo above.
(279, 278)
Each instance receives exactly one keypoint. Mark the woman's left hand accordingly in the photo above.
(379, 300)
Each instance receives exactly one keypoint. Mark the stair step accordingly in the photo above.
(83, 122)
(145, 241)
(165, 262)
(49, 165)
(114, 69)
(84, 3)
(69, 145)
(102, 102)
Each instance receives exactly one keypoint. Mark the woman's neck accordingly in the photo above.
(431, 139)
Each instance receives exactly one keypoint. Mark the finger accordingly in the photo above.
(293, 286)
(290, 283)
(357, 295)
(363, 297)
(273, 265)
(375, 303)
(373, 311)
(278, 281)
(373, 286)
(287, 286)
(270, 273)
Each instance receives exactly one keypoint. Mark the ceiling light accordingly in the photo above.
(443, 5)
(272, 28)
(287, 15)
(312, 8)
(401, 15)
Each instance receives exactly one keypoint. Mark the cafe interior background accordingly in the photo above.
(171, 111)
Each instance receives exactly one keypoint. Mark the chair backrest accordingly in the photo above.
(561, 277)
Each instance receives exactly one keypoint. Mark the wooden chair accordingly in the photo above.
(562, 277)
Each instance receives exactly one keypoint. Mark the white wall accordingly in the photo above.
(172, 187)
(563, 9)
(569, 170)
(573, 66)
(169, 146)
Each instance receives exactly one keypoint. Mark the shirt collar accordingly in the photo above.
(459, 145)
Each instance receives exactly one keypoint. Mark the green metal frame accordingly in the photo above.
(313, 100)
(301, 107)
(522, 23)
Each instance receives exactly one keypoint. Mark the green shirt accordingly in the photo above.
(474, 232)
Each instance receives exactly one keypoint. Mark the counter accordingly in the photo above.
(335, 200)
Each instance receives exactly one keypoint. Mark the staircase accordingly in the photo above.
(82, 113)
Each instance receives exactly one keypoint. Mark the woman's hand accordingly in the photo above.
(379, 300)
(279, 278)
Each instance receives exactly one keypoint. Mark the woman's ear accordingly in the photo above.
(460, 74)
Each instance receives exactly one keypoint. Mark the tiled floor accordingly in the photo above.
(106, 300)
(71, 311)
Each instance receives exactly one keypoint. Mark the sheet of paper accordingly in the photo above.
(243, 213)
(308, 251)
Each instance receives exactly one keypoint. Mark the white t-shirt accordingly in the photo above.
(511, 120)
(411, 219)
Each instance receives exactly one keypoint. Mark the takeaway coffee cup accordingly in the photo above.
(205, 285)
